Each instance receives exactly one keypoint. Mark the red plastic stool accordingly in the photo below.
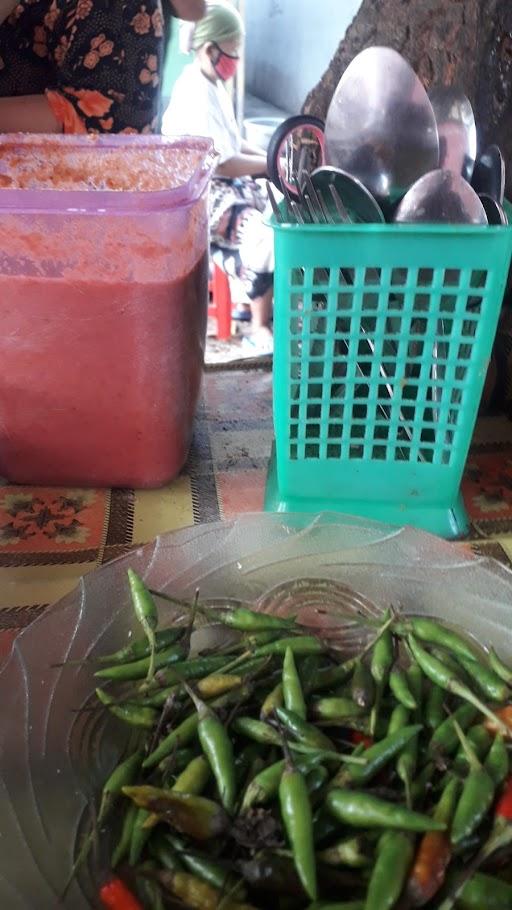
(220, 303)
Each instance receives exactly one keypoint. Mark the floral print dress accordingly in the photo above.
(98, 61)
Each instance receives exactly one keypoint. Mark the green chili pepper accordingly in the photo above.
(146, 612)
(187, 729)
(165, 854)
(406, 767)
(199, 818)
(122, 775)
(177, 761)
(308, 669)
(138, 649)
(298, 824)
(394, 856)
(415, 680)
(245, 620)
(497, 761)
(292, 689)
(125, 839)
(434, 708)
(435, 633)
(327, 677)
(304, 732)
(421, 783)
(180, 736)
(274, 699)
(400, 688)
(480, 741)
(302, 645)
(131, 714)
(140, 836)
(244, 763)
(207, 869)
(398, 720)
(218, 749)
(265, 785)
(190, 669)
(437, 673)
(449, 661)
(149, 891)
(337, 709)
(316, 779)
(376, 757)
(351, 851)
(501, 669)
(485, 891)
(363, 686)
(381, 663)
(194, 778)
(476, 797)
(445, 740)
(138, 669)
(257, 639)
(257, 730)
(382, 657)
(362, 810)
(217, 684)
(489, 683)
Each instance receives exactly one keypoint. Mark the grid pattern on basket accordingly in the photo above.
(380, 361)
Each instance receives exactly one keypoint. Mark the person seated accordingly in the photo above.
(78, 66)
(200, 106)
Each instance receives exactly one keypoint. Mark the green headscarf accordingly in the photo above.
(222, 22)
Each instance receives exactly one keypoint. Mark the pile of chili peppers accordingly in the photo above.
(271, 773)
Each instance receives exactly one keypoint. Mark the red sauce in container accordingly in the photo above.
(103, 298)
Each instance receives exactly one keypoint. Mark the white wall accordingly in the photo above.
(289, 45)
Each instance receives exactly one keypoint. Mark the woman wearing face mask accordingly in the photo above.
(201, 106)
(75, 66)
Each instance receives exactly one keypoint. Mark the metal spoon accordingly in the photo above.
(489, 174)
(358, 202)
(457, 129)
(495, 212)
(380, 126)
(441, 197)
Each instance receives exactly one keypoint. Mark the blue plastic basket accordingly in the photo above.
(382, 338)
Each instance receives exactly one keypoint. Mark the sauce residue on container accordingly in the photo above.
(54, 165)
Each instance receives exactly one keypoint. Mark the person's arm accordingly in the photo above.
(190, 10)
(27, 114)
(249, 149)
(243, 166)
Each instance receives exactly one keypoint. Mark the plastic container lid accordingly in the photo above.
(102, 173)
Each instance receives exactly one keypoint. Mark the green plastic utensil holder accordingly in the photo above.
(382, 338)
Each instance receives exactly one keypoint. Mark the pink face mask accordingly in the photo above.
(226, 65)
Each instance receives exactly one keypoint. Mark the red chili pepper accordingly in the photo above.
(116, 896)
(504, 804)
(357, 737)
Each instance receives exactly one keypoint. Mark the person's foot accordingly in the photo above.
(242, 313)
(259, 343)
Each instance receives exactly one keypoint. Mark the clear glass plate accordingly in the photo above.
(53, 759)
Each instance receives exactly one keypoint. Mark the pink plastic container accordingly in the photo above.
(103, 302)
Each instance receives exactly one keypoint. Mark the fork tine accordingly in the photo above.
(304, 202)
(340, 208)
(325, 208)
(273, 202)
(315, 201)
(288, 200)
